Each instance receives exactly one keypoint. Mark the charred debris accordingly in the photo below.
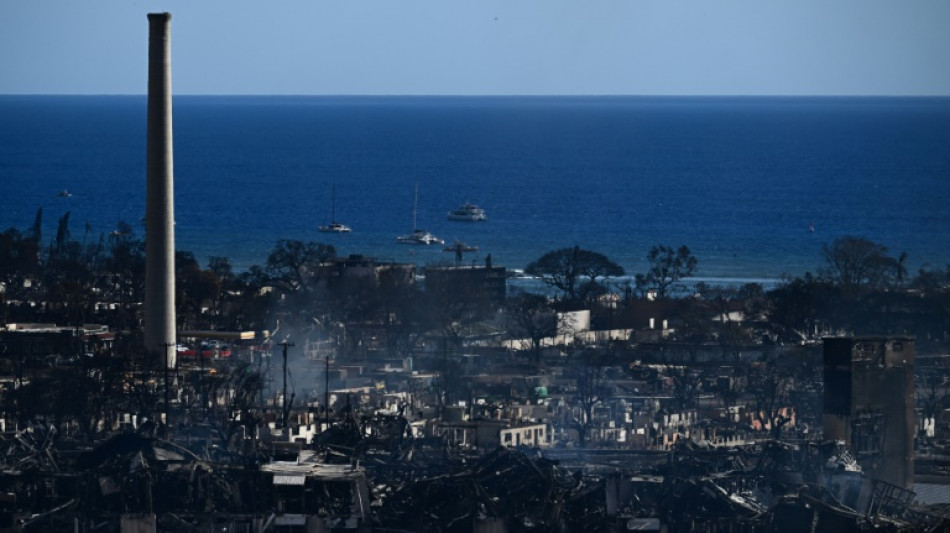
(139, 482)
(218, 445)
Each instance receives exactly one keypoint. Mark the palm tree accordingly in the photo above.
(901, 268)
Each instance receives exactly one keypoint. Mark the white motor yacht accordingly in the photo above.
(468, 212)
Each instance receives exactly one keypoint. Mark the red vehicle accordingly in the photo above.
(208, 351)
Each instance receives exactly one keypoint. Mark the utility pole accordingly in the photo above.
(201, 379)
(283, 410)
(443, 389)
(166, 345)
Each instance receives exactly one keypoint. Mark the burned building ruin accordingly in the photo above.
(869, 403)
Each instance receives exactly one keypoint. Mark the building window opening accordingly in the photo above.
(867, 434)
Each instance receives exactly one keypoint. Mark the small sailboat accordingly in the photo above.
(334, 226)
(418, 236)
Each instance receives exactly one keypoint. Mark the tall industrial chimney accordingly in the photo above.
(160, 198)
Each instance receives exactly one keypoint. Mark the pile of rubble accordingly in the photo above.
(504, 486)
(355, 477)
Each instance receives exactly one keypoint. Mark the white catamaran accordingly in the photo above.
(418, 236)
(334, 226)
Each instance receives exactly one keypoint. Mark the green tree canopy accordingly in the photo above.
(565, 268)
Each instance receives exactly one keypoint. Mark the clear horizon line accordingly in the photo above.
(509, 95)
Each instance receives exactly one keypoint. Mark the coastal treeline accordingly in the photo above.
(857, 287)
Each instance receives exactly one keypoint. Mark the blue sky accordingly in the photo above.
(421, 47)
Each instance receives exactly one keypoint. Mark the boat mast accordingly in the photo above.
(333, 205)
(415, 204)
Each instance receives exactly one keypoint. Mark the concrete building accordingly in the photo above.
(468, 283)
(36, 342)
(360, 267)
(869, 403)
(489, 434)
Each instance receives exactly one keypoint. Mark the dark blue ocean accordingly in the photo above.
(738, 180)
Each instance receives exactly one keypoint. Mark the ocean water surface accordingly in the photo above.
(741, 181)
